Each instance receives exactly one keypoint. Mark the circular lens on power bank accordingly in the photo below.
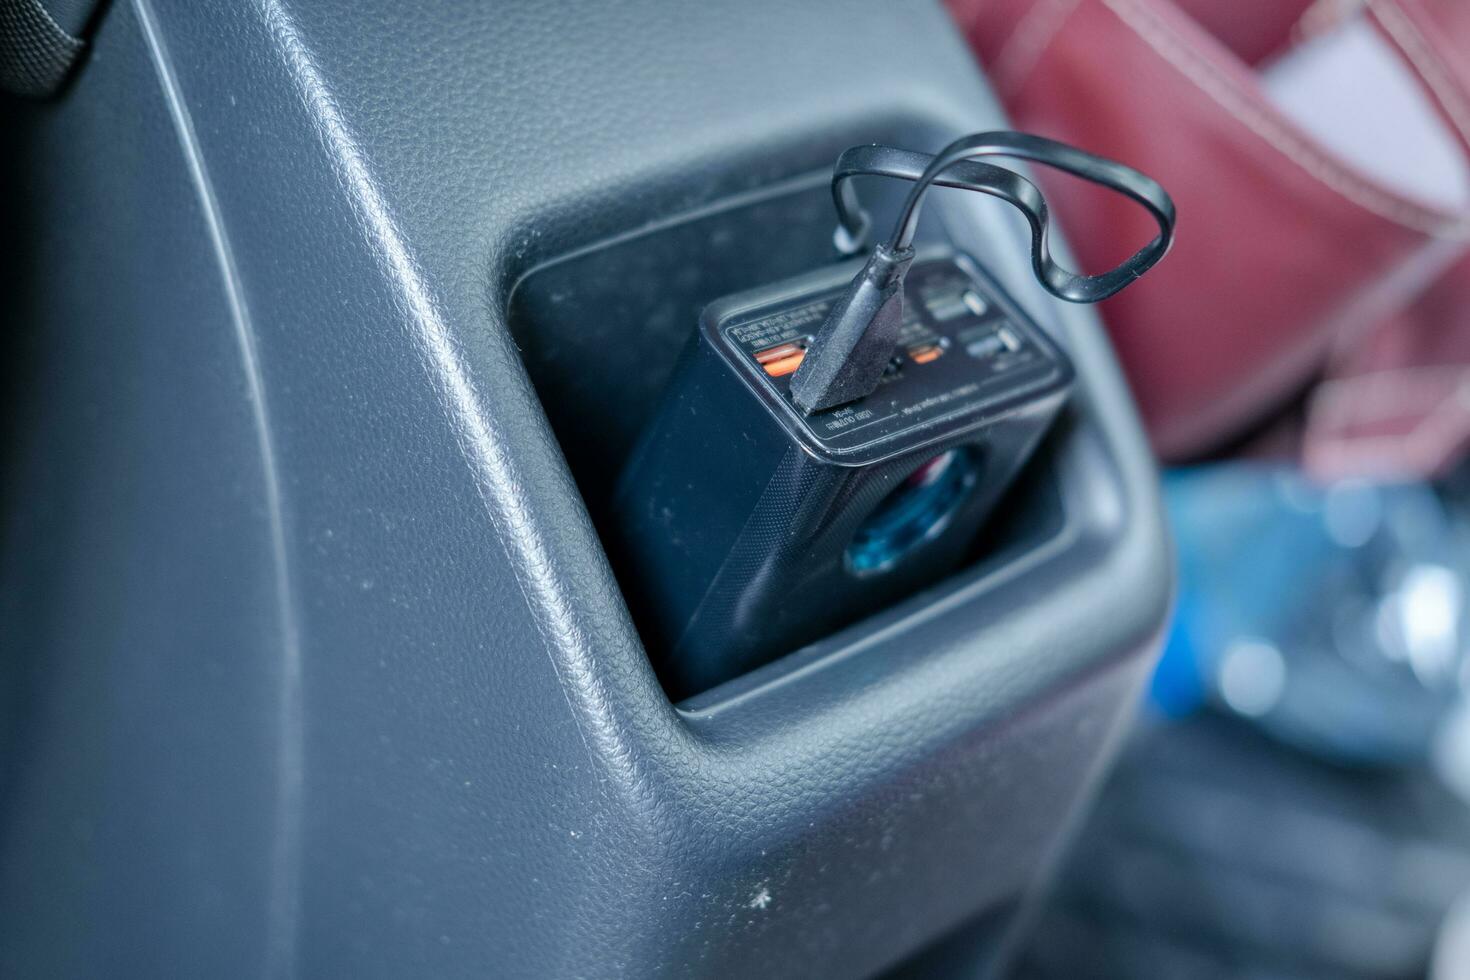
(916, 511)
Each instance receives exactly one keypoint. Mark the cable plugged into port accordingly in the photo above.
(855, 344)
(852, 350)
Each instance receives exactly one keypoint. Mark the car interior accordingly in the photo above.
(835, 488)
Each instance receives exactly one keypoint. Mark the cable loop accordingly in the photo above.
(956, 166)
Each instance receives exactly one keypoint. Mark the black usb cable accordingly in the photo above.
(854, 345)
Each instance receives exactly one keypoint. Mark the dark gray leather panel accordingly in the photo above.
(448, 755)
(139, 628)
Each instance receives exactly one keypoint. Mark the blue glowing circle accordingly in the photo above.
(916, 511)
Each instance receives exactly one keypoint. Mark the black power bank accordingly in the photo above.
(746, 529)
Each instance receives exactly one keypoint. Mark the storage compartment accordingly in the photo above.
(601, 330)
(423, 737)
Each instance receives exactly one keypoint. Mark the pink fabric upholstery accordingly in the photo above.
(1286, 255)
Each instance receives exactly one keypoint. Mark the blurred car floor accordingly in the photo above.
(1217, 852)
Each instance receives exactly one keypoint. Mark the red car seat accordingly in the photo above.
(1288, 256)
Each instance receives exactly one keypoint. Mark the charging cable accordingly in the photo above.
(855, 343)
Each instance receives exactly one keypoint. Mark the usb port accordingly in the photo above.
(983, 342)
(924, 353)
(783, 359)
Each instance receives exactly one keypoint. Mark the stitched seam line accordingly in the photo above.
(1414, 46)
(1029, 41)
(1426, 446)
(1325, 14)
(1385, 392)
(1208, 79)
